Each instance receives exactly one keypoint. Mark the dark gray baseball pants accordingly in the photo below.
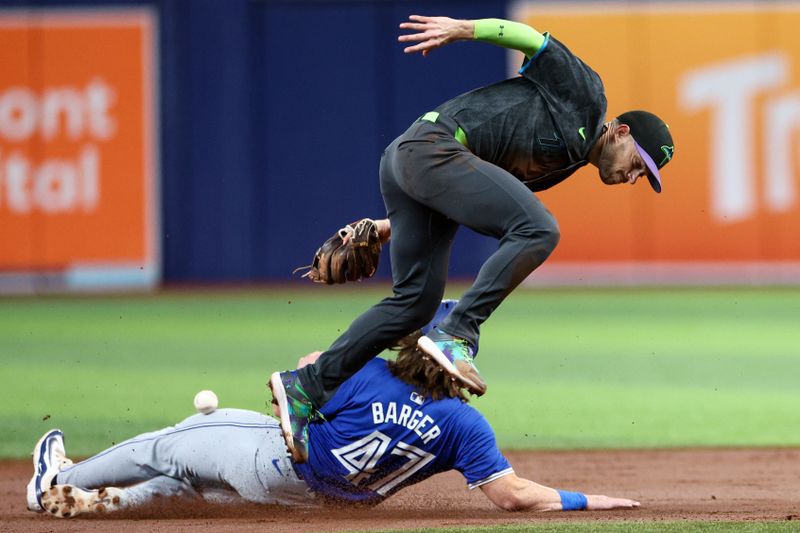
(431, 184)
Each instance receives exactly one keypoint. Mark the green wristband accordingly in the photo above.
(509, 34)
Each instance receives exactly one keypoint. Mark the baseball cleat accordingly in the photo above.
(455, 356)
(49, 458)
(67, 501)
(296, 411)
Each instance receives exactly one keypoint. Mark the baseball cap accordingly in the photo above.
(653, 141)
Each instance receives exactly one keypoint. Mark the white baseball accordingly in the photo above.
(206, 402)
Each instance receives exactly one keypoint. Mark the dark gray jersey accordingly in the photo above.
(540, 126)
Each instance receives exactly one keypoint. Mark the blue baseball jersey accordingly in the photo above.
(380, 435)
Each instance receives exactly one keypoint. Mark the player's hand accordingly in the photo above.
(309, 359)
(433, 32)
(384, 228)
(596, 502)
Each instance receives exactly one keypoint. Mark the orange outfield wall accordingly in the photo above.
(726, 78)
(77, 170)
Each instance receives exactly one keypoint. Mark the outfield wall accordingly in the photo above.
(725, 76)
(256, 129)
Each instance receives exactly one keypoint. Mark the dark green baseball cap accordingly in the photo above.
(653, 141)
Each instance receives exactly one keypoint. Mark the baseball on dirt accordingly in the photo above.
(206, 402)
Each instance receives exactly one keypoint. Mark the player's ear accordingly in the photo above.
(621, 130)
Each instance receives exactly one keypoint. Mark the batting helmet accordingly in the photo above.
(444, 309)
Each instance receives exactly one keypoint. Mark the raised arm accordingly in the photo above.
(433, 32)
(514, 493)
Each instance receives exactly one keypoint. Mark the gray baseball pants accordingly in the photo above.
(230, 455)
(431, 184)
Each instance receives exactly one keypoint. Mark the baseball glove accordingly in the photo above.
(351, 254)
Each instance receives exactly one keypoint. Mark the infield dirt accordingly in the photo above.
(696, 484)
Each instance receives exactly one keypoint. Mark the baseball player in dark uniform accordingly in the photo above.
(389, 426)
(476, 161)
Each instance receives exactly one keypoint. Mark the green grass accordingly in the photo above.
(622, 527)
(566, 368)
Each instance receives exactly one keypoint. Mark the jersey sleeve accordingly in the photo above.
(478, 457)
(528, 62)
(561, 73)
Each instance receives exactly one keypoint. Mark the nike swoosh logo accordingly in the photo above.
(275, 464)
(582, 133)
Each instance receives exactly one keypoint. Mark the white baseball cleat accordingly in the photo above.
(49, 458)
(455, 356)
(67, 501)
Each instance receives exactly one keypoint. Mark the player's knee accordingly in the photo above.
(419, 307)
(550, 237)
(422, 313)
(540, 236)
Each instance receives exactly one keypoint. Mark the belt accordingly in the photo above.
(458, 133)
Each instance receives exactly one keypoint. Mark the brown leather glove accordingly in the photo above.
(351, 254)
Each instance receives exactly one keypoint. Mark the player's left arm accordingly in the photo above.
(514, 493)
(433, 32)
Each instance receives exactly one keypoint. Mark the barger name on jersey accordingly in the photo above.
(410, 418)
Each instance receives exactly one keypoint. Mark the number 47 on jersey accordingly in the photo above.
(361, 459)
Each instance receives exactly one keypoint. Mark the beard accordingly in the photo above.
(610, 174)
